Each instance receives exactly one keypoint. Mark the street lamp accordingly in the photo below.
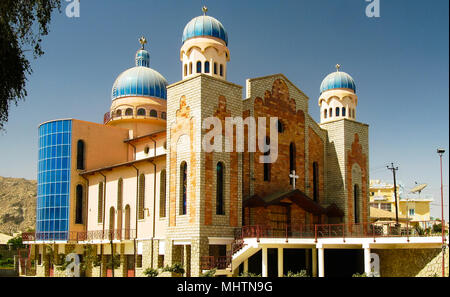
(440, 153)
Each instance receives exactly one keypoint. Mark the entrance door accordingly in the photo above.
(130, 265)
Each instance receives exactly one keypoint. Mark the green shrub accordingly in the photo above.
(359, 275)
(301, 273)
(209, 273)
(151, 272)
(249, 274)
(175, 268)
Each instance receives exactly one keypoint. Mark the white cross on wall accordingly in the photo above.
(294, 177)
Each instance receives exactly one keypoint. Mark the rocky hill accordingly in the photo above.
(17, 204)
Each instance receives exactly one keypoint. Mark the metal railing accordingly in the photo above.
(211, 262)
(122, 234)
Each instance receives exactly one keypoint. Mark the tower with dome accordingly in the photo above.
(141, 187)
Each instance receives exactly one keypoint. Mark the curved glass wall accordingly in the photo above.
(52, 217)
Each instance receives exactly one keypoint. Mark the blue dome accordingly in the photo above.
(140, 80)
(205, 26)
(337, 80)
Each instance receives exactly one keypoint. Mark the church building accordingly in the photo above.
(139, 191)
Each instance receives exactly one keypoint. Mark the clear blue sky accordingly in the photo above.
(400, 63)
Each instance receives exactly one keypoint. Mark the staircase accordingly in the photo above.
(245, 251)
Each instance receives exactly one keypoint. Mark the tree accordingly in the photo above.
(16, 242)
(22, 25)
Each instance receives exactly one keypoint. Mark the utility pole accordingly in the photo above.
(440, 153)
(395, 192)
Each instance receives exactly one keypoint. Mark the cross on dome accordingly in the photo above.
(204, 9)
(338, 66)
(143, 41)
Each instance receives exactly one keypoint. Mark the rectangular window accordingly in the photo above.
(412, 212)
(139, 261)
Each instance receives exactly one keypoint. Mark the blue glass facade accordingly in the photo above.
(53, 197)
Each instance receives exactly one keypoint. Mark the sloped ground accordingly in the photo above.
(17, 204)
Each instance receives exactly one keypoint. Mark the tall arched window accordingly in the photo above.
(112, 214)
(127, 221)
(162, 194)
(185, 69)
(141, 197)
(153, 113)
(199, 67)
(80, 154)
(331, 112)
(343, 111)
(206, 67)
(267, 165)
(183, 188)
(220, 188)
(337, 111)
(221, 70)
(79, 205)
(119, 203)
(190, 68)
(118, 113)
(325, 113)
(215, 68)
(129, 112)
(141, 112)
(315, 181)
(100, 203)
(163, 115)
(291, 159)
(280, 126)
(356, 202)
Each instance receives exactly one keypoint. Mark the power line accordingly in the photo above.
(395, 190)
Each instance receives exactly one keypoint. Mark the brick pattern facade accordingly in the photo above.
(316, 155)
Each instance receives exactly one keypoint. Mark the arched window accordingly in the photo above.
(80, 154)
(331, 112)
(291, 159)
(163, 115)
(343, 111)
(337, 111)
(162, 194)
(119, 205)
(325, 113)
(215, 68)
(206, 67)
(100, 203)
(220, 189)
(119, 193)
(267, 165)
(356, 202)
(141, 198)
(185, 69)
(129, 112)
(280, 126)
(112, 214)
(127, 221)
(183, 188)
(141, 112)
(315, 181)
(119, 113)
(199, 67)
(190, 68)
(221, 70)
(79, 205)
(153, 113)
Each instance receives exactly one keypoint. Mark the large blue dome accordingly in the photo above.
(205, 26)
(337, 80)
(140, 80)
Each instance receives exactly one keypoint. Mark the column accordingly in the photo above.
(280, 262)
(264, 262)
(307, 260)
(314, 262)
(367, 259)
(246, 265)
(321, 261)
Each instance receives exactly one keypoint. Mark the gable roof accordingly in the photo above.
(296, 196)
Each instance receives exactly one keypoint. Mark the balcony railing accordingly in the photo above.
(211, 262)
(122, 234)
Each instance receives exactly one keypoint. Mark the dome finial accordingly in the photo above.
(204, 9)
(338, 66)
(143, 42)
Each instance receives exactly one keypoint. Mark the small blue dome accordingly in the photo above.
(140, 80)
(205, 26)
(337, 80)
